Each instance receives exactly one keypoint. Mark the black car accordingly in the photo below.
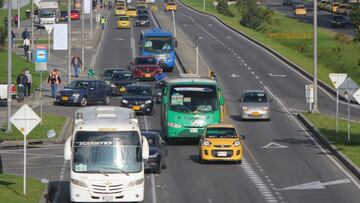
(142, 12)
(157, 151)
(63, 16)
(338, 21)
(108, 72)
(287, 2)
(119, 81)
(139, 98)
(142, 20)
(82, 92)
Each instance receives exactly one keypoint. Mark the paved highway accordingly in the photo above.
(324, 17)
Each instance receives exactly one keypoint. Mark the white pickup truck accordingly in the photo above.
(3, 91)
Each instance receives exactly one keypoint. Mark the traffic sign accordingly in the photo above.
(348, 88)
(25, 120)
(40, 56)
(309, 93)
(337, 78)
(356, 96)
(49, 28)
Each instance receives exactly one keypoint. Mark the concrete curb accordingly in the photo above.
(297, 68)
(325, 142)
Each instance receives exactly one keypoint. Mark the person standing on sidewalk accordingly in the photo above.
(16, 20)
(26, 45)
(54, 80)
(103, 22)
(13, 36)
(110, 5)
(25, 34)
(76, 63)
(21, 81)
(28, 83)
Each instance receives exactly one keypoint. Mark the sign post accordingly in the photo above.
(309, 94)
(25, 120)
(337, 79)
(41, 66)
(49, 28)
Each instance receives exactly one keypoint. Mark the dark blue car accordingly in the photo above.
(82, 92)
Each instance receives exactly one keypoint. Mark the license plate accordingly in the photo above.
(147, 75)
(122, 89)
(255, 113)
(65, 98)
(136, 108)
(193, 130)
(107, 198)
(222, 153)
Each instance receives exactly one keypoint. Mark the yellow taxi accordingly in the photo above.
(220, 142)
(131, 12)
(124, 22)
(334, 6)
(169, 6)
(141, 3)
(121, 3)
(120, 11)
(300, 10)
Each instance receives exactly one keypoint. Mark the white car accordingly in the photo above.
(254, 104)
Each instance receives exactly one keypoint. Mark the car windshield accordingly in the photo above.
(193, 98)
(107, 152)
(221, 133)
(142, 11)
(143, 17)
(108, 73)
(338, 18)
(152, 140)
(171, 4)
(300, 7)
(145, 61)
(124, 18)
(122, 76)
(74, 11)
(46, 13)
(63, 13)
(77, 85)
(131, 9)
(158, 44)
(255, 97)
(138, 91)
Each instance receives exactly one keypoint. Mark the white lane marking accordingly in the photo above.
(146, 123)
(209, 25)
(92, 63)
(209, 200)
(34, 167)
(275, 75)
(257, 77)
(274, 145)
(234, 75)
(62, 171)
(35, 155)
(249, 68)
(153, 192)
(118, 39)
(185, 25)
(228, 37)
(252, 72)
(316, 185)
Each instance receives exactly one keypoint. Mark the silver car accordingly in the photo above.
(254, 104)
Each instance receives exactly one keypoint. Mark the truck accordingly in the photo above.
(3, 92)
(48, 12)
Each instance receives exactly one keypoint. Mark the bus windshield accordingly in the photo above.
(107, 152)
(193, 98)
(46, 13)
(158, 44)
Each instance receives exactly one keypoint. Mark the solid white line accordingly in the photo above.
(153, 188)
(146, 123)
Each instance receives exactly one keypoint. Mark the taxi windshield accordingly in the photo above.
(221, 133)
(124, 18)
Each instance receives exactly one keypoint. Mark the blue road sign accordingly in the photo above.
(40, 56)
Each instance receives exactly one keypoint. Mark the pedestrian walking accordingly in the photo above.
(21, 81)
(110, 5)
(76, 63)
(25, 34)
(103, 22)
(13, 36)
(16, 20)
(54, 80)
(26, 45)
(5, 22)
(28, 83)
(212, 75)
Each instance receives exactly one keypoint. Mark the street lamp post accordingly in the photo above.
(82, 35)
(9, 128)
(69, 40)
(315, 109)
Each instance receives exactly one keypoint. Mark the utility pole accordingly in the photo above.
(32, 24)
(91, 20)
(315, 109)
(69, 41)
(204, 5)
(173, 16)
(18, 12)
(82, 36)
(9, 127)
(197, 53)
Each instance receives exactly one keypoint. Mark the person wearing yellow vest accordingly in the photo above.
(103, 21)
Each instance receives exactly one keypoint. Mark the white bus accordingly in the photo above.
(107, 155)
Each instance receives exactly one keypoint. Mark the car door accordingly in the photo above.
(92, 91)
(101, 91)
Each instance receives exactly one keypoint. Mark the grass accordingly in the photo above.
(336, 53)
(3, 13)
(326, 124)
(50, 121)
(11, 189)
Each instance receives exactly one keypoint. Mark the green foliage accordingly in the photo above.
(223, 8)
(254, 16)
(3, 35)
(2, 2)
(354, 17)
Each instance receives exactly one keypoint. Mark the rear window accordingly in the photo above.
(145, 61)
(122, 76)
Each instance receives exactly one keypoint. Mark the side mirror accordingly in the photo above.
(221, 100)
(175, 43)
(242, 137)
(145, 148)
(164, 100)
(67, 149)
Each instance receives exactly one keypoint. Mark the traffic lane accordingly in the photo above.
(261, 63)
(45, 162)
(324, 17)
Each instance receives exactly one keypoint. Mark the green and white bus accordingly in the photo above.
(188, 105)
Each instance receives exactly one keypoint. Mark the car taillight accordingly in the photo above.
(12, 89)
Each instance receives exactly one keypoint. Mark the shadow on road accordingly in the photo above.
(58, 192)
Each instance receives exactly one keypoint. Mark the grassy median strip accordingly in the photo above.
(11, 189)
(292, 38)
(326, 125)
(4, 13)
(50, 121)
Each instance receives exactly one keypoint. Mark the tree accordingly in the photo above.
(223, 8)
(354, 18)
(2, 3)
(253, 16)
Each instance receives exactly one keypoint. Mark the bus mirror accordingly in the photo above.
(164, 100)
(145, 148)
(67, 149)
(221, 100)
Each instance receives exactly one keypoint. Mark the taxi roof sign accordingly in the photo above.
(337, 79)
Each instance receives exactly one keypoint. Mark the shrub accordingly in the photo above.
(254, 16)
(354, 18)
(3, 35)
(223, 8)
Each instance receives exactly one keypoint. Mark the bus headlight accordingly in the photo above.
(136, 182)
(148, 102)
(174, 125)
(78, 183)
(237, 143)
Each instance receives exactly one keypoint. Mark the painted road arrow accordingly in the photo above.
(274, 145)
(234, 75)
(273, 75)
(316, 185)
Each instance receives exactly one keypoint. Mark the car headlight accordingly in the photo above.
(237, 143)
(154, 155)
(107, 82)
(244, 108)
(206, 143)
(174, 125)
(78, 183)
(148, 102)
(124, 101)
(265, 108)
(112, 85)
(136, 182)
(76, 95)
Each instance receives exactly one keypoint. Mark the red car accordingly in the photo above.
(145, 67)
(75, 15)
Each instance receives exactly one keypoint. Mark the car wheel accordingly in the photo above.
(107, 100)
(83, 101)
(201, 160)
